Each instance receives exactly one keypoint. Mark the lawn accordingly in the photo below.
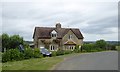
(46, 63)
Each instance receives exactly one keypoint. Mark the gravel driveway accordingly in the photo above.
(107, 60)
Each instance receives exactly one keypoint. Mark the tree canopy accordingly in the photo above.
(101, 44)
(11, 42)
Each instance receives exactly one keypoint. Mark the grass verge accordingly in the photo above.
(46, 63)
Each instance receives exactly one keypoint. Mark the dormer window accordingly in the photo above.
(53, 33)
(70, 36)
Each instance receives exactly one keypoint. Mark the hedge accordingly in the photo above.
(15, 54)
(37, 53)
(11, 55)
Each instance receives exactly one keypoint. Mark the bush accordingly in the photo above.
(28, 53)
(118, 48)
(60, 52)
(12, 54)
(101, 44)
(84, 51)
(15, 54)
(77, 49)
(113, 47)
(37, 53)
(67, 52)
(6, 56)
(54, 53)
(99, 49)
(21, 56)
(88, 47)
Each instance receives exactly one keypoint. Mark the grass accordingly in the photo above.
(32, 64)
(46, 63)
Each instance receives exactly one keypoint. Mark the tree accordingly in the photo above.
(5, 41)
(11, 42)
(101, 44)
(88, 47)
(15, 41)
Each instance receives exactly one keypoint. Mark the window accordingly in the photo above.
(52, 48)
(71, 47)
(53, 33)
(70, 36)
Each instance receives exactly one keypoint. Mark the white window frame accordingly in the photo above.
(53, 48)
(71, 48)
(70, 36)
(53, 33)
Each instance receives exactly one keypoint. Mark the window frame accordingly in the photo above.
(54, 34)
(71, 47)
(53, 48)
(70, 36)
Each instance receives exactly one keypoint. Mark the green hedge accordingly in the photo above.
(60, 52)
(28, 53)
(67, 52)
(77, 49)
(11, 55)
(15, 54)
(91, 48)
(54, 53)
(37, 53)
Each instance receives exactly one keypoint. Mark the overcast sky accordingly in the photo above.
(96, 19)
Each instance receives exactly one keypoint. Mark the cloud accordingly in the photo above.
(92, 18)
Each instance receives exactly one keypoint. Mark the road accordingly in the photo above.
(107, 60)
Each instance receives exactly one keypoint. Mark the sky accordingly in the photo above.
(96, 19)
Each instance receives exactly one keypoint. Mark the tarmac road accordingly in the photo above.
(107, 60)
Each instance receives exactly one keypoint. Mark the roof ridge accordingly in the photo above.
(44, 27)
(55, 27)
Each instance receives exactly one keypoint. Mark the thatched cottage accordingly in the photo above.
(54, 38)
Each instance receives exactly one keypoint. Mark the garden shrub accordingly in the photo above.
(101, 44)
(37, 53)
(99, 49)
(113, 47)
(28, 53)
(6, 56)
(67, 52)
(12, 54)
(60, 52)
(54, 53)
(84, 51)
(21, 56)
(77, 49)
(88, 47)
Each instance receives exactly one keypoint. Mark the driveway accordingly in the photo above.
(107, 60)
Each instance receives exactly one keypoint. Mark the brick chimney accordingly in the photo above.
(58, 25)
